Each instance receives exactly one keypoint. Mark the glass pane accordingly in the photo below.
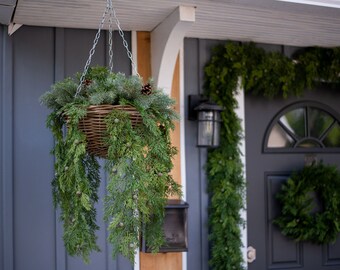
(295, 121)
(205, 133)
(278, 138)
(318, 122)
(333, 137)
(309, 144)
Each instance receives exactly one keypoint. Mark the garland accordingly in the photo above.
(296, 220)
(268, 74)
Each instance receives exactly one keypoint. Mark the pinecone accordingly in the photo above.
(146, 89)
(87, 82)
(162, 129)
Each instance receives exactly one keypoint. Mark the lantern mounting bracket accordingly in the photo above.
(193, 102)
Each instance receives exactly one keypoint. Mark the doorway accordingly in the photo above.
(282, 136)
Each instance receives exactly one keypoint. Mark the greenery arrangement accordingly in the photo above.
(138, 163)
(270, 74)
(297, 219)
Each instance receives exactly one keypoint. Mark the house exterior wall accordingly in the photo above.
(30, 61)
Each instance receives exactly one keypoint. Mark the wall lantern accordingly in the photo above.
(208, 115)
(175, 228)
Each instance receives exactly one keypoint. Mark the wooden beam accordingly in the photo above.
(144, 55)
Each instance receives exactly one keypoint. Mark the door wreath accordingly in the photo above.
(297, 221)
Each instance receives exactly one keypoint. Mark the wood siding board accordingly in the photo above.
(59, 74)
(77, 46)
(7, 149)
(1, 156)
(33, 51)
(120, 59)
(191, 86)
(144, 55)
(204, 53)
(197, 53)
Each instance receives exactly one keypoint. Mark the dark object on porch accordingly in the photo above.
(175, 228)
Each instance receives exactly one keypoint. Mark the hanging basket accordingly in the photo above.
(94, 127)
(137, 150)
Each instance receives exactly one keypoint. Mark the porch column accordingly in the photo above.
(163, 46)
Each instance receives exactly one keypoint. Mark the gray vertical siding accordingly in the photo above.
(30, 61)
(1, 156)
(6, 153)
(197, 53)
(34, 222)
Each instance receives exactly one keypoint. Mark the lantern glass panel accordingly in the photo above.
(205, 128)
(208, 128)
(217, 127)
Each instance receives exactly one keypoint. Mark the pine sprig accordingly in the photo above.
(139, 162)
(139, 166)
(75, 185)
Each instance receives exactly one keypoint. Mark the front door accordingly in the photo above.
(282, 136)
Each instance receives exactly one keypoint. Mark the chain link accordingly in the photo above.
(92, 51)
(110, 37)
(125, 44)
(112, 15)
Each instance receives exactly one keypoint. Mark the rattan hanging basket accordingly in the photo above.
(94, 127)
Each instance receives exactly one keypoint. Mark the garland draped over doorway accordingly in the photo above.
(270, 75)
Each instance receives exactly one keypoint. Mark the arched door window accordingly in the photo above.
(304, 127)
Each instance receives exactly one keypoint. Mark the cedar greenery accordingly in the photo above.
(138, 164)
(297, 220)
(270, 75)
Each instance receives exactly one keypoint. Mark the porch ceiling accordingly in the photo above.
(267, 21)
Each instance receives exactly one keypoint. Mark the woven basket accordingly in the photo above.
(94, 127)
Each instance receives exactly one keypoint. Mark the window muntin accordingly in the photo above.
(303, 127)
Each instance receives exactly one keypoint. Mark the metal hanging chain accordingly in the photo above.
(110, 36)
(92, 51)
(125, 44)
(112, 15)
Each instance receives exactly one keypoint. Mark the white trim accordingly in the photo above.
(182, 136)
(12, 27)
(134, 57)
(321, 3)
(166, 41)
(137, 260)
(241, 115)
(134, 50)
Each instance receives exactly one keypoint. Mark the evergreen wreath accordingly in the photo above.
(138, 163)
(270, 74)
(296, 220)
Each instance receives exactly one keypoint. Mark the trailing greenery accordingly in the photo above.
(298, 219)
(224, 170)
(138, 163)
(75, 184)
(270, 74)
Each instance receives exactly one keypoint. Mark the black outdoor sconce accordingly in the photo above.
(208, 115)
(175, 228)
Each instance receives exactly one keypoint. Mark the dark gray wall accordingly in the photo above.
(30, 61)
(197, 53)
